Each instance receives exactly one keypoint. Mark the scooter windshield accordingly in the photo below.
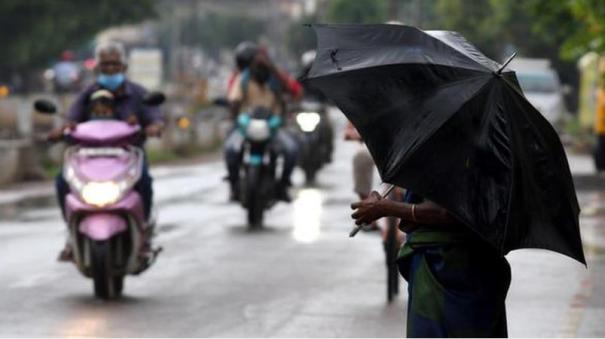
(104, 133)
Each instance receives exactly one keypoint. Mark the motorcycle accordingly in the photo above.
(107, 227)
(259, 163)
(315, 145)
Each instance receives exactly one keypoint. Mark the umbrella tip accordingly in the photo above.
(510, 58)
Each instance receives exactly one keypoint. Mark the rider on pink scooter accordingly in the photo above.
(127, 104)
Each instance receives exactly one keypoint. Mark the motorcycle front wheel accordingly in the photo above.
(310, 174)
(254, 201)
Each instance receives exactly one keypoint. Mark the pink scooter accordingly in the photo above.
(108, 230)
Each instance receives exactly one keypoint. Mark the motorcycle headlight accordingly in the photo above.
(101, 193)
(258, 130)
(308, 121)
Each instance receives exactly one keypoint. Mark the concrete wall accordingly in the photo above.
(20, 155)
(10, 158)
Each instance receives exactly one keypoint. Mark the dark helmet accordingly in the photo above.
(244, 54)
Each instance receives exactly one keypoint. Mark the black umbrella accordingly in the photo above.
(445, 121)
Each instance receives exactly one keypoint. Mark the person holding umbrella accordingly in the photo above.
(485, 172)
(457, 282)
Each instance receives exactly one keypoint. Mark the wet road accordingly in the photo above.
(301, 276)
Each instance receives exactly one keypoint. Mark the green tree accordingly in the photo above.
(35, 31)
(357, 11)
(580, 24)
(498, 27)
(476, 20)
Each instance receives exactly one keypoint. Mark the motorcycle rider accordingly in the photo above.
(102, 105)
(259, 85)
(67, 74)
(363, 167)
(127, 101)
(245, 52)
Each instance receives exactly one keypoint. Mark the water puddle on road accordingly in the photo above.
(307, 215)
(88, 324)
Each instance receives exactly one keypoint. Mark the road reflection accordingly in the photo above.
(87, 324)
(307, 215)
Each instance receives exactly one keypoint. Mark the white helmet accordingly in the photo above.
(307, 58)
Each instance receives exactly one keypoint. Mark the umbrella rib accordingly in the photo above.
(539, 136)
(510, 193)
(464, 53)
(467, 48)
(340, 70)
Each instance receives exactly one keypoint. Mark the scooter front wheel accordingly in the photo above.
(106, 285)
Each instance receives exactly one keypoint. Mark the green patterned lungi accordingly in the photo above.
(457, 284)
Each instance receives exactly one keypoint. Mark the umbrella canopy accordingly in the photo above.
(440, 118)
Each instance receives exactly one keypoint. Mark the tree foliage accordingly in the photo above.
(358, 11)
(580, 24)
(476, 20)
(34, 31)
(499, 27)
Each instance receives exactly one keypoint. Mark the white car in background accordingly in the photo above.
(541, 85)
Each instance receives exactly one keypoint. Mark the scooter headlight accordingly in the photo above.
(101, 193)
(308, 121)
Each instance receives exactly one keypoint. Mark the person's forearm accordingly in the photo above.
(234, 109)
(289, 84)
(426, 213)
(157, 116)
(282, 78)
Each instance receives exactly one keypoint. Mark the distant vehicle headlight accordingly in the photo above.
(101, 193)
(308, 121)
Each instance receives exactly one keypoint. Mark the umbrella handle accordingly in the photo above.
(384, 194)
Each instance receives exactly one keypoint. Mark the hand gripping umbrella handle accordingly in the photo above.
(384, 194)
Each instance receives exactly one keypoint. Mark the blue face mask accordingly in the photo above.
(111, 82)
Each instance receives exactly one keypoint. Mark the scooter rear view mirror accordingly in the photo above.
(45, 106)
(154, 99)
(221, 102)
